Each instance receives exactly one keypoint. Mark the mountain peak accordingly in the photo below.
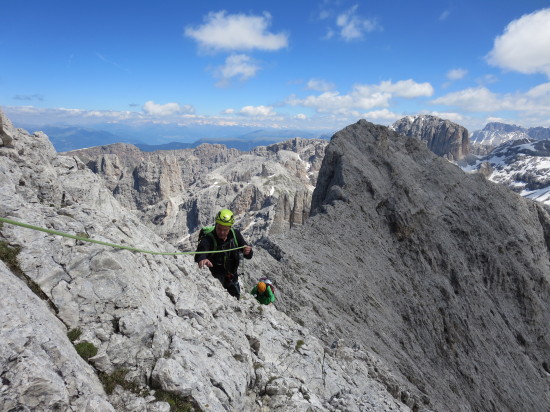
(442, 136)
(433, 263)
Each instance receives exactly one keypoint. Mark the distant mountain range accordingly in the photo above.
(240, 144)
(168, 137)
(522, 165)
(495, 133)
(152, 137)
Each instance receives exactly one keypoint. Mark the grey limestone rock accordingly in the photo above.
(158, 323)
(444, 275)
(177, 192)
(443, 137)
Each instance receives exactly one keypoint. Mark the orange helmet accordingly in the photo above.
(261, 287)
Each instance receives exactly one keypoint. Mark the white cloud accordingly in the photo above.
(452, 116)
(382, 115)
(406, 88)
(334, 102)
(329, 35)
(524, 45)
(261, 111)
(354, 27)
(472, 99)
(237, 65)
(168, 109)
(319, 85)
(300, 116)
(487, 79)
(540, 91)
(492, 119)
(363, 97)
(36, 115)
(456, 74)
(480, 99)
(236, 32)
(258, 117)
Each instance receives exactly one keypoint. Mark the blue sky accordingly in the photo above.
(300, 64)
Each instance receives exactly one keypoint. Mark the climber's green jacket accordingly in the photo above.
(264, 298)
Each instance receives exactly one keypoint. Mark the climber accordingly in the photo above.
(223, 266)
(263, 292)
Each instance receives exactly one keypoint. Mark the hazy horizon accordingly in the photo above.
(305, 66)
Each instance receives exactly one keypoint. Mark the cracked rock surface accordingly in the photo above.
(158, 321)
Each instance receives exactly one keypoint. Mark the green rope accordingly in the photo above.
(99, 242)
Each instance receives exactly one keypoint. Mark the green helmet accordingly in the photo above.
(225, 217)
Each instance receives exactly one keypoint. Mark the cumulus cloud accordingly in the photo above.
(452, 116)
(406, 88)
(383, 115)
(487, 79)
(319, 85)
(352, 26)
(540, 91)
(492, 119)
(456, 74)
(472, 99)
(153, 109)
(363, 97)
(257, 111)
(480, 99)
(524, 45)
(300, 116)
(237, 65)
(36, 115)
(230, 32)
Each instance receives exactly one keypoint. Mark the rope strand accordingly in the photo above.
(99, 242)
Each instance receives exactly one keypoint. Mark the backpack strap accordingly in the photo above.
(211, 234)
(214, 242)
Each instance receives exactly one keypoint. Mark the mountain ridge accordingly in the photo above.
(496, 133)
(164, 331)
(164, 137)
(431, 270)
(411, 286)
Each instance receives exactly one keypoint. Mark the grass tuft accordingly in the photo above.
(118, 378)
(86, 350)
(176, 402)
(8, 254)
(74, 334)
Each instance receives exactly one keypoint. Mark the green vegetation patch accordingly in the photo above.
(176, 402)
(86, 350)
(74, 334)
(8, 254)
(118, 378)
(299, 344)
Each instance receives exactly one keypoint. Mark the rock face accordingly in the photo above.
(444, 275)
(177, 192)
(160, 326)
(443, 137)
(410, 286)
(495, 133)
(521, 165)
